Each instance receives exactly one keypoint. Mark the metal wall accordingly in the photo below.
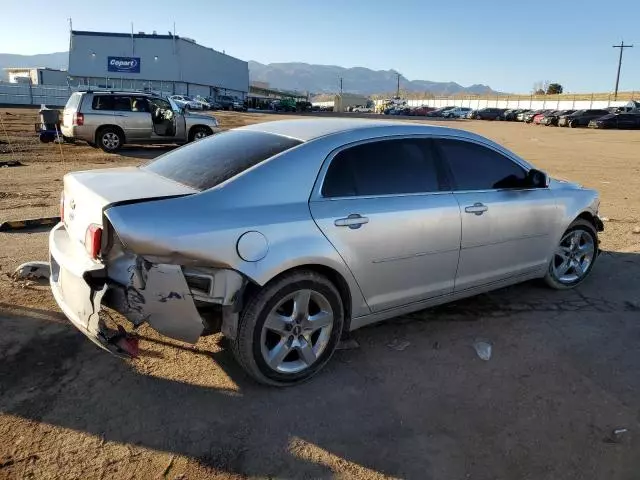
(162, 58)
(25, 94)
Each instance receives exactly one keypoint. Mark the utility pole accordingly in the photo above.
(340, 85)
(398, 87)
(622, 46)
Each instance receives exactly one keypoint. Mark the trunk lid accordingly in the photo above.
(87, 193)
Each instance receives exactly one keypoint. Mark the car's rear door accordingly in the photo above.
(386, 209)
(137, 125)
(507, 227)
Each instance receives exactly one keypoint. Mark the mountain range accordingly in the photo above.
(294, 76)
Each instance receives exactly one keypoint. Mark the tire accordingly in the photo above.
(572, 124)
(110, 139)
(571, 278)
(255, 343)
(198, 132)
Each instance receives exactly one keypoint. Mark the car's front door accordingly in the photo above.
(385, 208)
(507, 226)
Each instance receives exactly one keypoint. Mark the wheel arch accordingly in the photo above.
(193, 128)
(109, 125)
(332, 274)
(592, 219)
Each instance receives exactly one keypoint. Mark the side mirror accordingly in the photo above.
(537, 178)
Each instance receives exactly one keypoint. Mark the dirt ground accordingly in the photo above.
(563, 375)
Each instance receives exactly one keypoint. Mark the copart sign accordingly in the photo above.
(123, 64)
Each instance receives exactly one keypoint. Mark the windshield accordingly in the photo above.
(209, 162)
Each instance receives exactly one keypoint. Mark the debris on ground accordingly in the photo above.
(348, 344)
(32, 271)
(636, 230)
(604, 219)
(483, 349)
(11, 163)
(618, 435)
(399, 345)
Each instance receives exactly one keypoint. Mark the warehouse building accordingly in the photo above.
(161, 63)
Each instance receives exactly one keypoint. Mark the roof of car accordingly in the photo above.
(309, 129)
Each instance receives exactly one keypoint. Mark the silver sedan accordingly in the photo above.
(286, 235)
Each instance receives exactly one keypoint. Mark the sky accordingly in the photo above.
(506, 44)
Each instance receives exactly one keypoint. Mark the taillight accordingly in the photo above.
(93, 240)
(62, 207)
(78, 119)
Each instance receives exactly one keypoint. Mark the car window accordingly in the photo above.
(73, 102)
(211, 161)
(160, 103)
(387, 167)
(140, 104)
(102, 102)
(475, 167)
(122, 104)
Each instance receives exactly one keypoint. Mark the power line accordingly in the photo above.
(622, 46)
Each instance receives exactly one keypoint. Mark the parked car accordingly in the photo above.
(186, 102)
(363, 109)
(528, 118)
(552, 118)
(226, 102)
(617, 120)
(510, 115)
(205, 239)
(213, 103)
(239, 105)
(520, 117)
(303, 106)
(422, 110)
(456, 112)
(439, 112)
(537, 118)
(581, 118)
(488, 113)
(111, 119)
(204, 103)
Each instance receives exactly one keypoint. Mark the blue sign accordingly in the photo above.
(123, 64)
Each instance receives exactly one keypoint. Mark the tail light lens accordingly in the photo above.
(62, 207)
(93, 240)
(78, 119)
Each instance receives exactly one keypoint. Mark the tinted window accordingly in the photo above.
(475, 167)
(122, 104)
(382, 168)
(211, 161)
(102, 102)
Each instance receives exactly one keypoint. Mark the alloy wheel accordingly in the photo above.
(296, 331)
(110, 140)
(574, 256)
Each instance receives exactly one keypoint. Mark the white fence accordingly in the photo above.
(506, 102)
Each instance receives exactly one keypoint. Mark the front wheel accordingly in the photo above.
(197, 133)
(290, 329)
(573, 124)
(574, 257)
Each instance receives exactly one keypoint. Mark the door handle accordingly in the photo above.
(477, 208)
(353, 221)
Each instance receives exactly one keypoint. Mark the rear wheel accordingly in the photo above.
(290, 329)
(573, 124)
(574, 257)
(110, 139)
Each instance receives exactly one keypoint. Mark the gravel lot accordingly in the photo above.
(563, 375)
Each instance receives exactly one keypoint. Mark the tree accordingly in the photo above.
(539, 92)
(554, 89)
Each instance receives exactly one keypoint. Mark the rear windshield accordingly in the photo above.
(211, 161)
(73, 102)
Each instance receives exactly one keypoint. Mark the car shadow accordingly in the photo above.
(147, 152)
(429, 410)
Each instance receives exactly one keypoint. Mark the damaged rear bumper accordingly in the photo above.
(144, 292)
(78, 298)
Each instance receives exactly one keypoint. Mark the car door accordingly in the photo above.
(136, 125)
(385, 207)
(507, 227)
